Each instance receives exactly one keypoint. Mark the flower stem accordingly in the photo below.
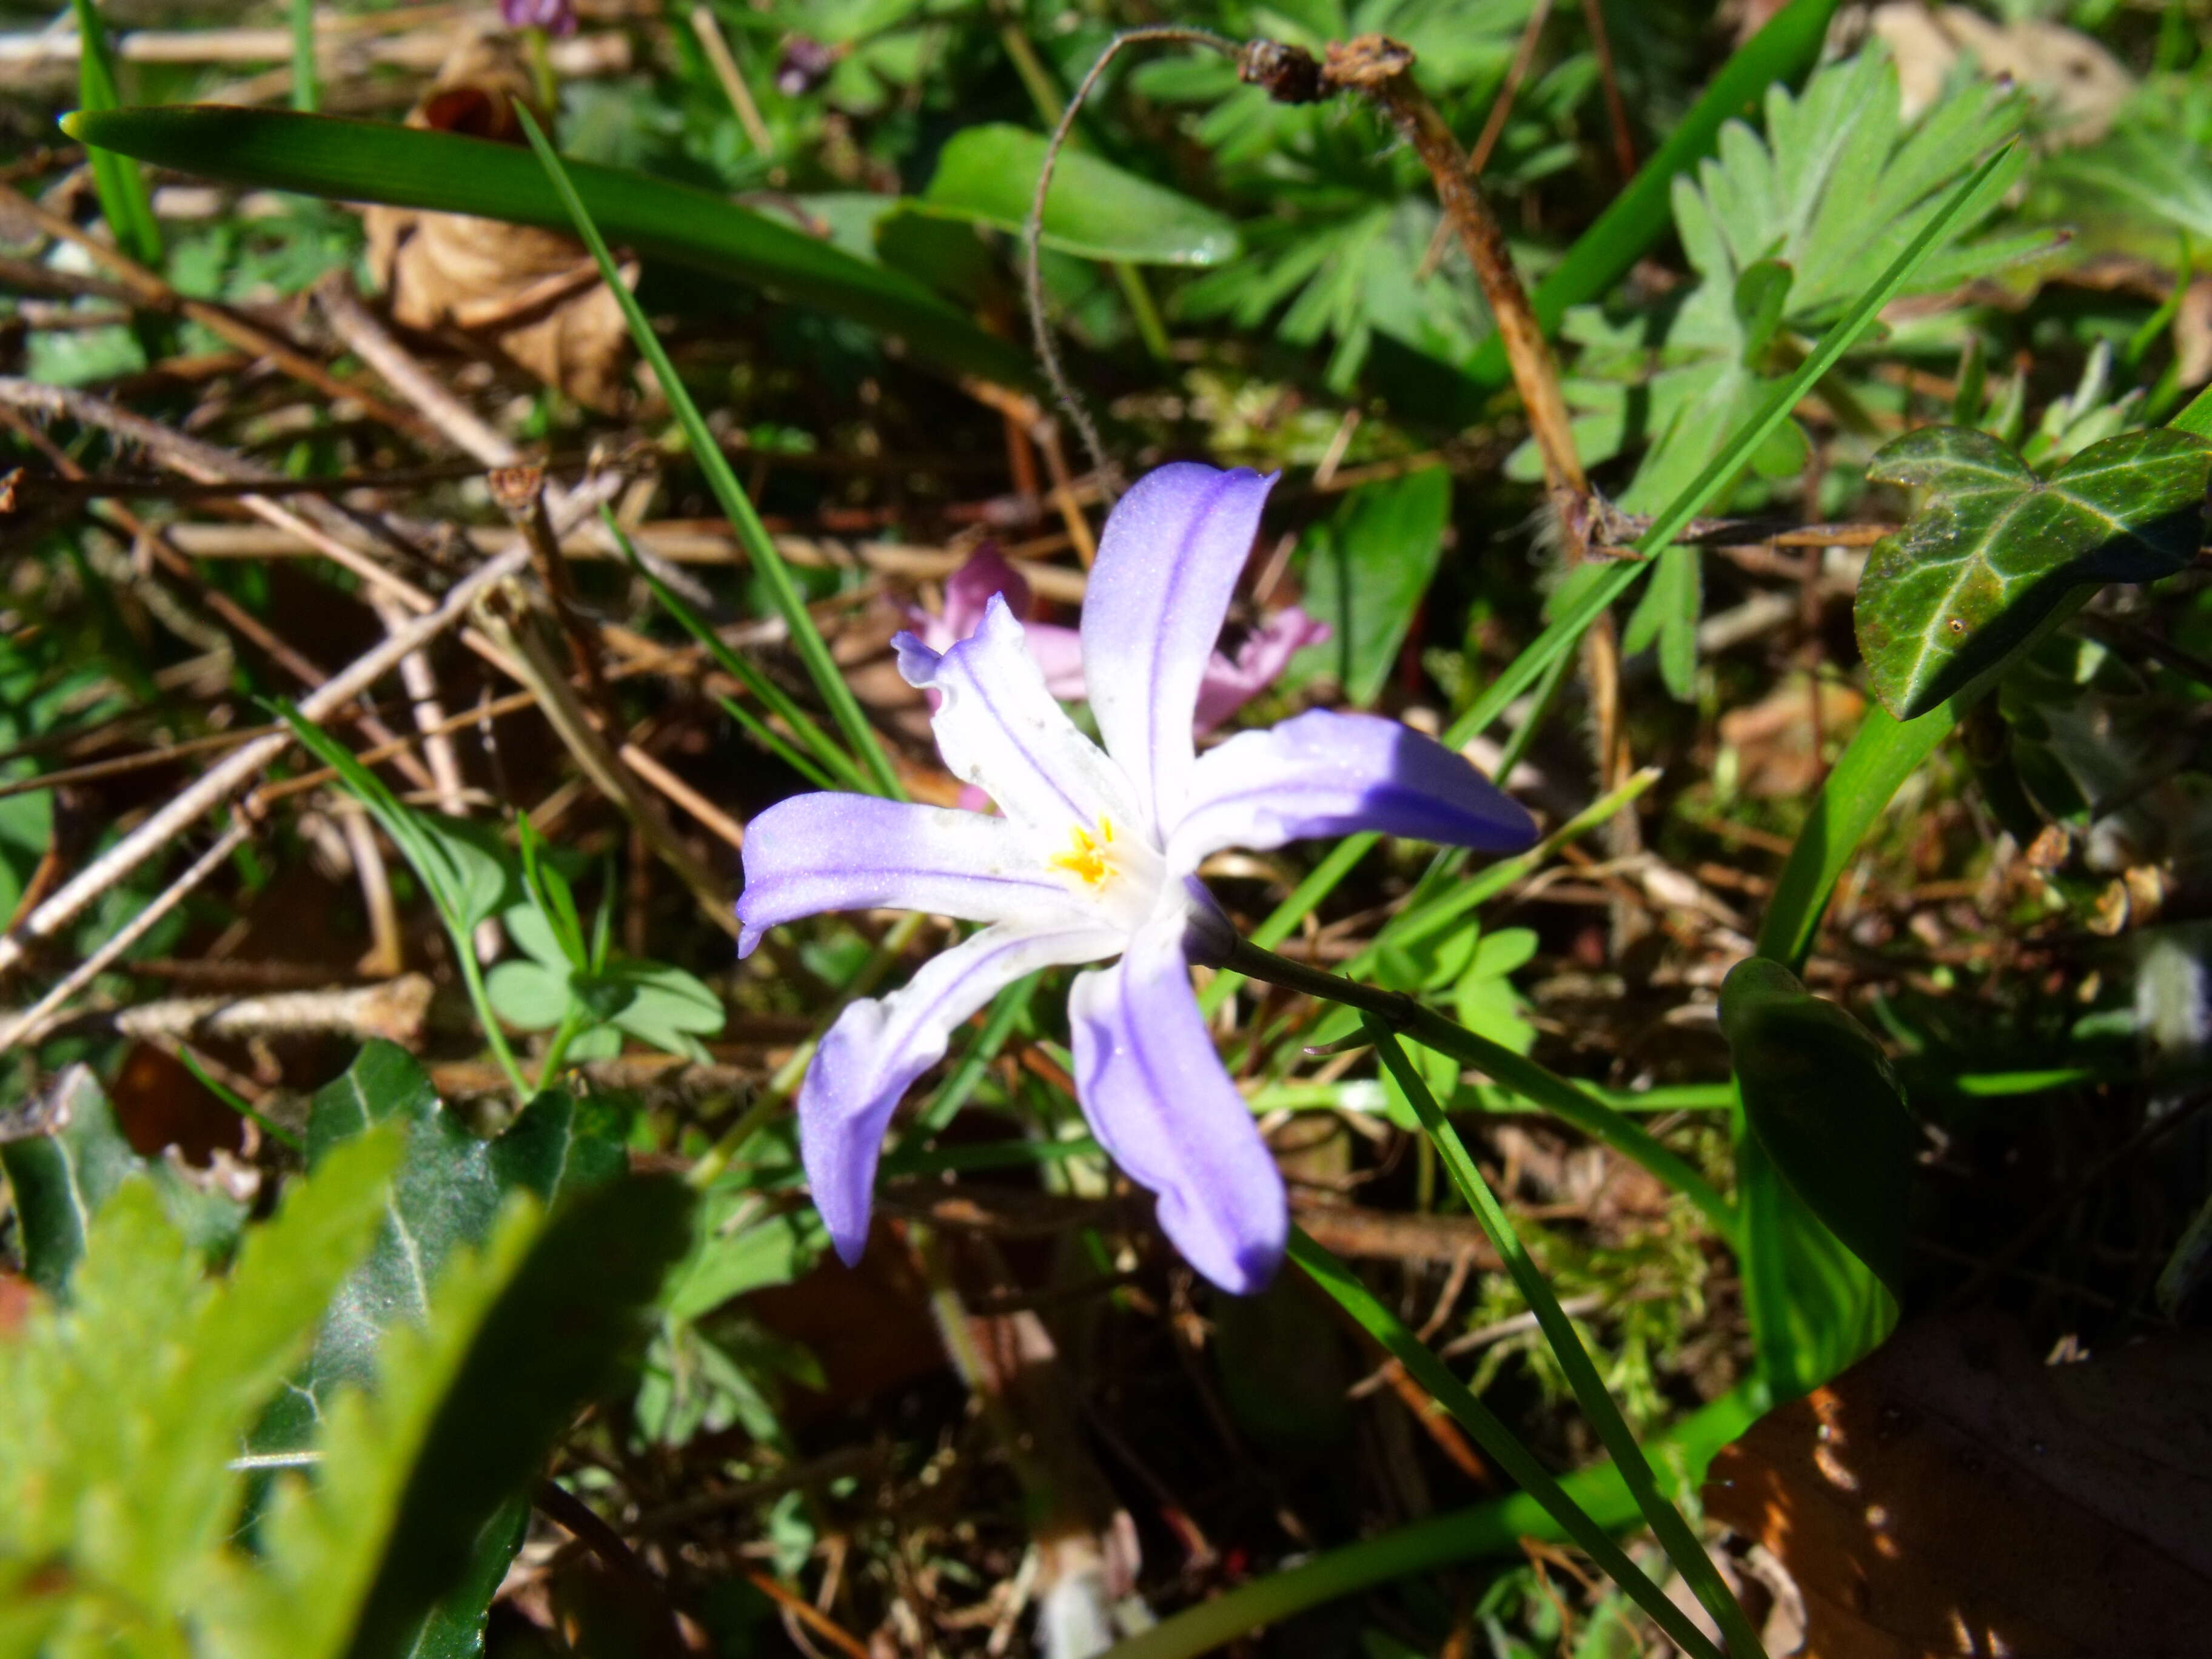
(1499, 1443)
(1665, 1520)
(1537, 1084)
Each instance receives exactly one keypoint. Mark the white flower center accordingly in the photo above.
(1111, 871)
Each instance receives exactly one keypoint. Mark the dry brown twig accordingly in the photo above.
(231, 773)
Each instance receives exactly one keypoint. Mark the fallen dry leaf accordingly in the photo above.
(1954, 1495)
(1773, 738)
(532, 296)
(2078, 84)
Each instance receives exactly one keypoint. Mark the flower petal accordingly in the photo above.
(1230, 683)
(878, 1046)
(1159, 1101)
(999, 729)
(1172, 550)
(968, 591)
(839, 852)
(1327, 774)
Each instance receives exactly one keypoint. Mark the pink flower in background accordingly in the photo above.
(1226, 686)
(554, 17)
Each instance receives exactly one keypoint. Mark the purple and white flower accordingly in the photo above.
(1228, 684)
(1093, 860)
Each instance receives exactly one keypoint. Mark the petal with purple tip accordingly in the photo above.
(840, 851)
(998, 728)
(1156, 1094)
(1327, 774)
(1167, 561)
(878, 1046)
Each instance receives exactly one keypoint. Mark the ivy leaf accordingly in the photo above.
(1993, 550)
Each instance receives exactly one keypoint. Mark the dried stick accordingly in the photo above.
(365, 338)
(1383, 70)
(1493, 127)
(149, 289)
(232, 772)
(26, 1025)
(1109, 477)
(1616, 112)
(208, 464)
(532, 667)
(392, 1009)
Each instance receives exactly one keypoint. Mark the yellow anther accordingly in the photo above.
(1086, 857)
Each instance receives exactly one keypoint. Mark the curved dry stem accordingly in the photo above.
(1063, 390)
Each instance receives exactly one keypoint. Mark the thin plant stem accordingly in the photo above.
(752, 535)
(1497, 1441)
(1047, 353)
(1539, 1084)
(307, 94)
(1673, 1533)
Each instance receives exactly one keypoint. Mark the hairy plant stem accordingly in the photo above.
(1524, 1076)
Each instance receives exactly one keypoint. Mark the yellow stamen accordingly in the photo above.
(1086, 858)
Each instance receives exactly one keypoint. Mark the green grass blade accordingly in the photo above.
(116, 180)
(1600, 591)
(1665, 1521)
(306, 91)
(823, 757)
(1497, 1443)
(354, 160)
(1787, 46)
(1494, 1528)
(752, 535)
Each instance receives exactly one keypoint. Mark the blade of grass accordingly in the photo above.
(306, 92)
(752, 535)
(1494, 1528)
(1665, 1521)
(823, 757)
(1882, 754)
(1601, 591)
(117, 179)
(1008, 1011)
(1497, 1443)
(1525, 1077)
(1788, 45)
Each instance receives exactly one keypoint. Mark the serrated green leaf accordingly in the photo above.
(1819, 1094)
(668, 1008)
(988, 175)
(1993, 550)
(1667, 614)
(120, 1412)
(416, 1475)
(356, 161)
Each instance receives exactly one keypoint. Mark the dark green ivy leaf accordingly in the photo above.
(1993, 550)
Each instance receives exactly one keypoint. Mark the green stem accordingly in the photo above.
(556, 1051)
(1497, 1443)
(1673, 1533)
(1494, 1528)
(1536, 1083)
(305, 91)
(464, 954)
(752, 535)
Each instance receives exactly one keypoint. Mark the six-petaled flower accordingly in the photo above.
(1094, 861)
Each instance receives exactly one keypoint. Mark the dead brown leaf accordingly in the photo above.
(1954, 1495)
(532, 296)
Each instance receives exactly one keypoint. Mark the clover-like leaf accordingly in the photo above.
(1993, 550)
